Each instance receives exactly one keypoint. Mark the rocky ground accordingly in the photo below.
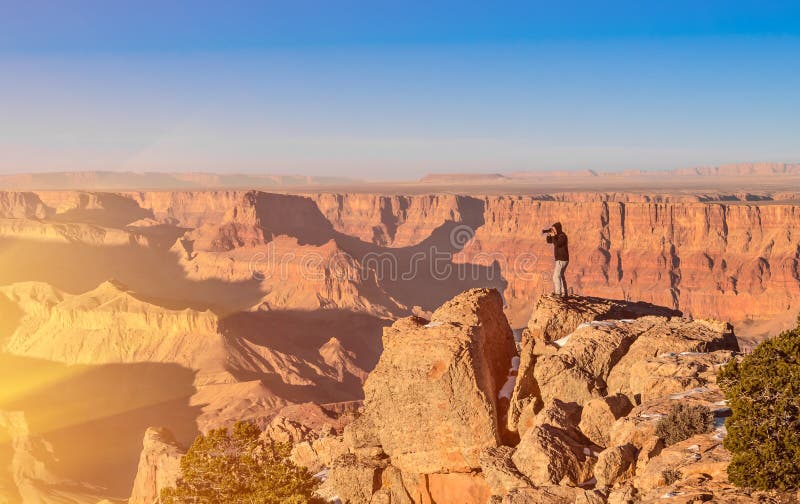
(456, 412)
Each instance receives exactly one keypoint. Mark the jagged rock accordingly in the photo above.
(557, 413)
(392, 486)
(599, 414)
(500, 472)
(354, 480)
(578, 371)
(316, 454)
(615, 464)
(552, 320)
(159, 466)
(672, 373)
(361, 437)
(701, 455)
(433, 397)
(625, 494)
(672, 335)
(553, 495)
(553, 317)
(302, 422)
(547, 455)
(650, 448)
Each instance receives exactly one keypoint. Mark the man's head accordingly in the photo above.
(557, 227)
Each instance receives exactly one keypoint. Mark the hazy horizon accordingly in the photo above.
(381, 92)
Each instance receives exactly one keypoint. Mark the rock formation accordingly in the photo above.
(277, 299)
(588, 441)
(458, 361)
(113, 324)
(159, 466)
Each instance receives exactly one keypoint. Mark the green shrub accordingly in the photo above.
(763, 391)
(683, 422)
(238, 467)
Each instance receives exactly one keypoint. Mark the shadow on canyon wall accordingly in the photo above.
(423, 274)
(154, 274)
(301, 334)
(94, 417)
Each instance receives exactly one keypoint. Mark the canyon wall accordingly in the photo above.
(728, 260)
(729, 256)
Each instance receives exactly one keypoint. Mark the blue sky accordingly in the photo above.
(394, 90)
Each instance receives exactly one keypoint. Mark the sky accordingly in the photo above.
(394, 90)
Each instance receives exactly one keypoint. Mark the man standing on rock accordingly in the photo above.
(558, 238)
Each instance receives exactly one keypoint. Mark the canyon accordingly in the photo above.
(190, 309)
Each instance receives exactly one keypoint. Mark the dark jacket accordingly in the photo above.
(559, 241)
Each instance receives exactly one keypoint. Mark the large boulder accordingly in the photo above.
(596, 359)
(500, 472)
(598, 415)
(673, 335)
(554, 317)
(548, 455)
(551, 325)
(432, 400)
(578, 371)
(353, 480)
(673, 373)
(615, 464)
(159, 466)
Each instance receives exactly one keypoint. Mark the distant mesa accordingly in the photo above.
(729, 170)
(438, 178)
(108, 180)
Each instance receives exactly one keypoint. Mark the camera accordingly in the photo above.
(545, 231)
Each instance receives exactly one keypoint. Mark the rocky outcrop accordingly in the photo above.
(594, 360)
(599, 414)
(414, 440)
(550, 328)
(433, 397)
(431, 410)
(159, 466)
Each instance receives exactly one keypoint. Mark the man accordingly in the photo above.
(556, 236)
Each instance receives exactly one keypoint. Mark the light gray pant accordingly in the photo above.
(559, 282)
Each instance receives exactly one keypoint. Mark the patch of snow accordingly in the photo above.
(723, 402)
(598, 323)
(587, 451)
(508, 388)
(670, 495)
(693, 448)
(515, 363)
(627, 320)
(720, 433)
(434, 324)
(652, 415)
(682, 395)
(668, 354)
(322, 475)
(693, 354)
(563, 341)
